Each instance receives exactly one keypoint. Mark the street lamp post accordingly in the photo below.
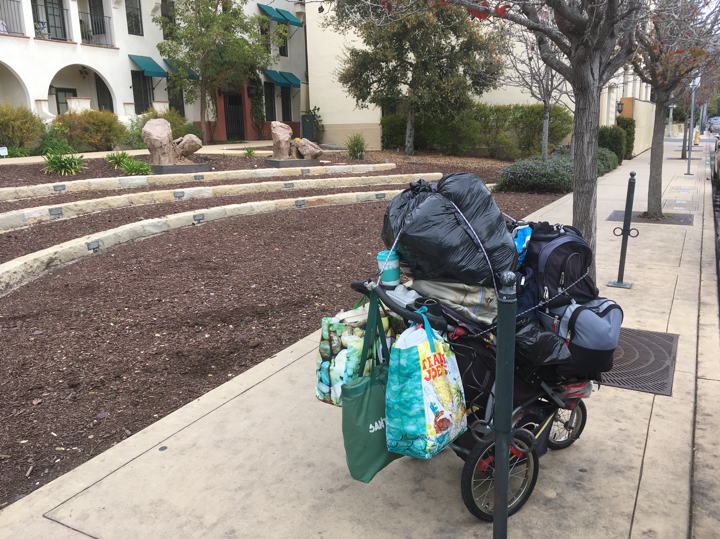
(671, 107)
(694, 85)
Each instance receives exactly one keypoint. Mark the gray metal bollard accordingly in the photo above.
(626, 232)
(502, 425)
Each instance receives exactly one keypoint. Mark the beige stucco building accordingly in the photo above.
(341, 117)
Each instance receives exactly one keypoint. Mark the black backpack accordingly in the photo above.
(559, 256)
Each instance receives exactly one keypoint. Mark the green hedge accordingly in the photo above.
(552, 176)
(533, 174)
(393, 131)
(612, 137)
(628, 125)
(504, 130)
(528, 124)
(607, 161)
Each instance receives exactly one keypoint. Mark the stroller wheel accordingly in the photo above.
(562, 433)
(478, 479)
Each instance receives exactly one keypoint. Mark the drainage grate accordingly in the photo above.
(672, 219)
(644, 361)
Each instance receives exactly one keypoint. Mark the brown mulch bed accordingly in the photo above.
(16, 243)
(95, 351)
(487, 169)
(32, 174)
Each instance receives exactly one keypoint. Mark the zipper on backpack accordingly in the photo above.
(562, 278)
(555, 324)
(546, 294)
(567, 340)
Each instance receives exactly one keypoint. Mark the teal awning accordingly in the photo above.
(272, 13)
(277, 78)
(149, 66)
(291, 19)
(292, 79)
(191, 74)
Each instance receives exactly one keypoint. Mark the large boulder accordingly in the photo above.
(185, 146)
(282, 140)
(157, 136)
(308, 149)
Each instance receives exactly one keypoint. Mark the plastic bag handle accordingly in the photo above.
(428, 329)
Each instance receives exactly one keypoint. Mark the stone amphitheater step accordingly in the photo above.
(30, 216)
(21, 269)
(129, 182)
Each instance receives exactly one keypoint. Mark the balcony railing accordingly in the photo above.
(51, 22)
(96, 29)
(11, 17)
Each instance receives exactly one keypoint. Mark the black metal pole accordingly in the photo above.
(502, 424)
(625, 234)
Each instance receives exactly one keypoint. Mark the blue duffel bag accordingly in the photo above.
(591, 332)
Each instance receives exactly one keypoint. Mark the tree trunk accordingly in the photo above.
(654, 207)
(587, 122)
(683, 154)
(572, 141)
(410, 134)
(546, 130)
(203, 110)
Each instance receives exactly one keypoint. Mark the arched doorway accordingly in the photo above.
(79, 81)
(12, 88)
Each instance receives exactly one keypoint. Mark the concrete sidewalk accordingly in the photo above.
(261, 457)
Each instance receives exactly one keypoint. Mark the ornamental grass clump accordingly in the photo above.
(535, 175)
(64, 164)
(131, 167)
(356, 146)
(117, 159)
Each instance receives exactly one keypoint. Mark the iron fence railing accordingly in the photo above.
(11, 17)
(51, 21)
(96, 29)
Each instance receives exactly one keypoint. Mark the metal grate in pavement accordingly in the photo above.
(644, 361)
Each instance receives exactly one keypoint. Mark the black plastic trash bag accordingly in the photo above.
(538, 347)
(437, 242)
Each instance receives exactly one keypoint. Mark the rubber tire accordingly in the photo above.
(467, 478)
(567, 443)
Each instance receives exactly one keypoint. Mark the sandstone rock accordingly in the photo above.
(157, 136)
(282, 137)
(189, 144)
(182, 147)
(308, 149)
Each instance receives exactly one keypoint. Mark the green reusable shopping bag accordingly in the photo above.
(363, 410)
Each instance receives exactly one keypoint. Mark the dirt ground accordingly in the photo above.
(95, 351)
(487, 169)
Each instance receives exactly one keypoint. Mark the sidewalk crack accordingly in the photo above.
(642, 465)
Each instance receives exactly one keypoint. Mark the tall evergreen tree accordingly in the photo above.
(219, 42)
(432, 63)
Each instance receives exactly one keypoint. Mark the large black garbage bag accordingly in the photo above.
(536, 346)
(437, 243)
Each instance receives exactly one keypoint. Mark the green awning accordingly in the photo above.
(191, 74)
(277, 78)
(149, 66)
(292, 79)
(272, 13)
(291, 19)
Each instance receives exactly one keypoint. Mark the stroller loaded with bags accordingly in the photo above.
(454, 241)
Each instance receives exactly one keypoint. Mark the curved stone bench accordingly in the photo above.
(19, 270)
(29, 216)
(131, 182)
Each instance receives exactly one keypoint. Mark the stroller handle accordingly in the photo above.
(436, 322)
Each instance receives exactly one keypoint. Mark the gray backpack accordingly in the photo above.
(591, 331)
